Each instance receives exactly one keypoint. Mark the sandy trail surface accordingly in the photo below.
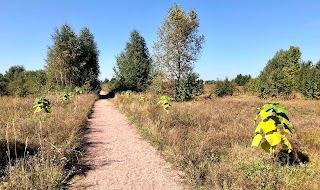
(119, 158)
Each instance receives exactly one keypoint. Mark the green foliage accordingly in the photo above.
(22, 91)
(78, 90)
(224, 88)
(72, 60)
(16, 77)
(134, 64)
(127, 93)
(253, 85)
(189, 87)
(278, 76)
(3, 85)
(164, 101)
(41, 103)
(66, 97)
(272, 128)
(18, 85)
(36, 81)
(241, 80)
(14, 72)
(162, 86)
(178, 46)
(308, 80)
(21, 82)
(88, 63)
(142, 98)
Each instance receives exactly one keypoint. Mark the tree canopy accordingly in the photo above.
(179, 45)
(72, 60)
(241, 80)
(134, 64)
(278, 76)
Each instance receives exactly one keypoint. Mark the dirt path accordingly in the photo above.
(119, 158)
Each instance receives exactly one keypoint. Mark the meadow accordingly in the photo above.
(38, 150)
(210, 138)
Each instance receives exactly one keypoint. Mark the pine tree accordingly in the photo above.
(134, 64)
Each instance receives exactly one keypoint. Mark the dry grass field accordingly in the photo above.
(210, 140)
(41, 146)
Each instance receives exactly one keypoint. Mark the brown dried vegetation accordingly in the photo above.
(41, 146)
(210, 140)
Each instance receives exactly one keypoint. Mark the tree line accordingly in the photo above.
(286, 73)
(72, 61)
(170, 71)
(283, 76)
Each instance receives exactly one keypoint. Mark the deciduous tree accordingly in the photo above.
(72, 60)
(89, 60)
(278, 76)
(241, 80)
(178, 45)
(62, 58)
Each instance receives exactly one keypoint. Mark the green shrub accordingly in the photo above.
(308, 80)
(66, 96)
(78, 90)
(189, 87)
(165, 103)
(224, 88)
(127, 93)
(252, 85)
(41, 103)
(161, 86)
(274, 123)
(278, 77)
(241, 80)
(3, 85)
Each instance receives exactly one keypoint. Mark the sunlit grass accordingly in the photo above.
(210, 140)
(41, 145)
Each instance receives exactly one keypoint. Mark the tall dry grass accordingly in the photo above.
(37, 150)
(210, 140)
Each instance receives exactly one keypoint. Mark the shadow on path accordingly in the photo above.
(107, 96)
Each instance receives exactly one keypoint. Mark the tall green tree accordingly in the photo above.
(14, 71)
(308, 80)
(35, 81)
(62, 58)
(89, 60)
(178, 45)
(19, 82)
(134, 64)
(72, 60)
(241, 80)
(16, 78)
(278, 76)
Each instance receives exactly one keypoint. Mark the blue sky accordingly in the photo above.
(241, 36)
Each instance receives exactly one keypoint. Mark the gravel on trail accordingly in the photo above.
(119, 158)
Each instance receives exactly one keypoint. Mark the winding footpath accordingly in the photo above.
(119, 158)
